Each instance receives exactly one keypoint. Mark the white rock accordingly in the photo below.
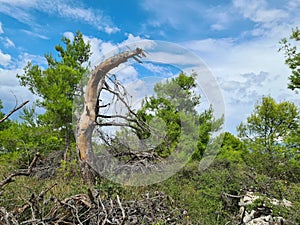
(258, 221)
(274, 201)
(248, 199)
(268, 218)
(248, 216)
(286, 203)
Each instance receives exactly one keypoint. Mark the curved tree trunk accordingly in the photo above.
(87, 121)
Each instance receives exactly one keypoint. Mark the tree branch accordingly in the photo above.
(14, 110)
(9, 179)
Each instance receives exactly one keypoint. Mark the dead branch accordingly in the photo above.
(116, 124)
(143, 127)
(12, 111)
(27, 172)
(80, 209)
(232, 196)
(118, 95)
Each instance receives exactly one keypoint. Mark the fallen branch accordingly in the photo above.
(86, 209)
(9, 179)
(232, 196)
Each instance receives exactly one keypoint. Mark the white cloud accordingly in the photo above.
(33, 34)
(177, 14)
(8, 43)
(231, 57)
(1, 29)
(293, 4)
(101, 49)
(110, 30)
(21, 10)
(69, 35)
(10, 90)
(270, 19)
(125, 74)
(159, 70)
(9, 8)
(258, 11)
(246, 70)
(219, 17)
(4, 59)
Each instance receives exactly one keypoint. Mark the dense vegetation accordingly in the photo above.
(263, 157)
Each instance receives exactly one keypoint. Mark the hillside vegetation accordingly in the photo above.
(254, 176)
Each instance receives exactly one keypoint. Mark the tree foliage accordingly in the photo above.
(56, 85)
(292, 55)
(232, 149)
(175, 102)
(270, 133)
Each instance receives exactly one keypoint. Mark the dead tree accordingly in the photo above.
(88, 119)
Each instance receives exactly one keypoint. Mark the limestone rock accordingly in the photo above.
(260, 214)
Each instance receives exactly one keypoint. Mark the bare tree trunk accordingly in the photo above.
(87, 121)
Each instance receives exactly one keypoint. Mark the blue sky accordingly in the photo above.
(236, 39)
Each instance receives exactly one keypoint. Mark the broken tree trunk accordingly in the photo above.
(87, 121)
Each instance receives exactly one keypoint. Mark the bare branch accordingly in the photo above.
(110, 124)
(139, 123)
(120, 205)
(14, 110)
(122, 100)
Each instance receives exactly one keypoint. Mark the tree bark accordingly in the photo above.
(87, 121)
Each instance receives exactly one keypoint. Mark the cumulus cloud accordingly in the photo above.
(4, 59)
(126, 74)
(10, 91)
(246, 70)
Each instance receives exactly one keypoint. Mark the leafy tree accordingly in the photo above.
(57, 84)
(176, 101)
(173, 99)
(268, 132)
(292, 55)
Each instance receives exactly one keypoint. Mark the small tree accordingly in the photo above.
(57, 84)
(268, 130)
(174, 101)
